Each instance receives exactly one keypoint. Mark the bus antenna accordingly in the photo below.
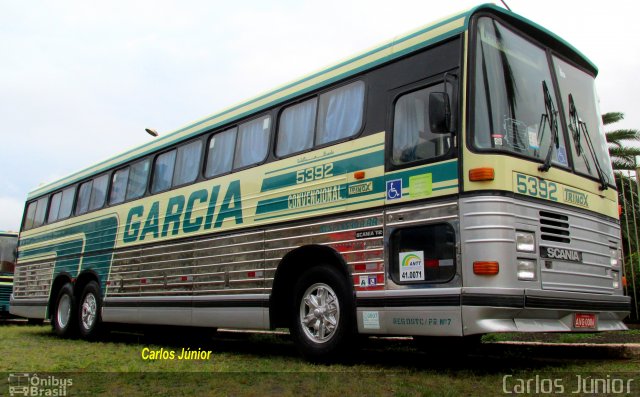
(505, 4)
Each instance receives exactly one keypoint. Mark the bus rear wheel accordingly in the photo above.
(63, 317)
(89, 321)
(322, 314)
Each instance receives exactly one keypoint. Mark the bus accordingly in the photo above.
(452, 182)
(8, 253)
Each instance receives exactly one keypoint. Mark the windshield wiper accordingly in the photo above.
(551, 117)
(579, 128)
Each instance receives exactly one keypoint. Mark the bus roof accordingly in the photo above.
(397, 47)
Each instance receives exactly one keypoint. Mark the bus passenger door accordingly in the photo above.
(421, 213)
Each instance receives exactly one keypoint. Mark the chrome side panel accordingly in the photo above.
(32, 287)
(414, 309)
(358, 238)
(232, 264)
(226, 281)
(33, 279)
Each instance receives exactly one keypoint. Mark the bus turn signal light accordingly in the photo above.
(486, 268)
(358, 174)
(481, 174)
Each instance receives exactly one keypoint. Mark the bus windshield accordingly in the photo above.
(512, 79)
(580, 86)
(8, 253)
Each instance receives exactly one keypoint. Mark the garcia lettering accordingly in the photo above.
(186, 214)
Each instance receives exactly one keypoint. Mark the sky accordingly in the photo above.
(81, 80)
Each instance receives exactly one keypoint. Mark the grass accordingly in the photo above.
(263, 365)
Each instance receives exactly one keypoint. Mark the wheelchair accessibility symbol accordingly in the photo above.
(394, 189)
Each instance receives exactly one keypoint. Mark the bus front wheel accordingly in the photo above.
(322, 314)
(63, 318)
(89, 311)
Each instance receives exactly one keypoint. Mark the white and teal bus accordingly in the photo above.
(452, 182)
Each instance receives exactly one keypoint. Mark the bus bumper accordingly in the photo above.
(485, 311)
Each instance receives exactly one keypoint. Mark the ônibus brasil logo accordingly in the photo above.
(411, 260)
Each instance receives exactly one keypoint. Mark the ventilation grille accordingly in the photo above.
(554, 227)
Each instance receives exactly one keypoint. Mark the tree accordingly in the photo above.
(623, 157)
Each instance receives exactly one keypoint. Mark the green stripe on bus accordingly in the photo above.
(343, 204)
(281, 203)
(93, 252)
(340, 167)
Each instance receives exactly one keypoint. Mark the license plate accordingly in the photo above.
(585, 321)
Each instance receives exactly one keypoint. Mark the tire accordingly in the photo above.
(322, 314)
(89, 319)
(63, 316)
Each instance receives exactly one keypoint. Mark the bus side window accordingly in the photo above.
(138, 179)
(41, 210)
(31, 214)
(412, 136)
(340, 113)
(187, 163)
(92, 194)
(54, 207)
(61, 204)
(83, 197)
(296, 128)
(66, 205)
(220, 153)
(163, 171)
(119, 186)
(99, 192)
(253, 142)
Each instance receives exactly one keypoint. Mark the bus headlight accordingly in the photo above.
(616, 256)
(525, 241)
(616, 279)
(527, 269)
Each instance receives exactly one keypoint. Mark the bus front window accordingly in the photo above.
(589, 152)
(8, 253)
(510, 111)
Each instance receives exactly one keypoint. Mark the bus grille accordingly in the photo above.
(554, 227)
(5, 292)
(581, 234)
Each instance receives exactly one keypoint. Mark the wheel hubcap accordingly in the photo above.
(319, 313)
(89, 309)
(64, 311)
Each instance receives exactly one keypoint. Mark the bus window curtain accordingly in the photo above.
(220, 156)
(340, 113)
(405, 129)
(253, 142)
(295, 132)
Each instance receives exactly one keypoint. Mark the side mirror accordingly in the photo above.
(439, 113)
